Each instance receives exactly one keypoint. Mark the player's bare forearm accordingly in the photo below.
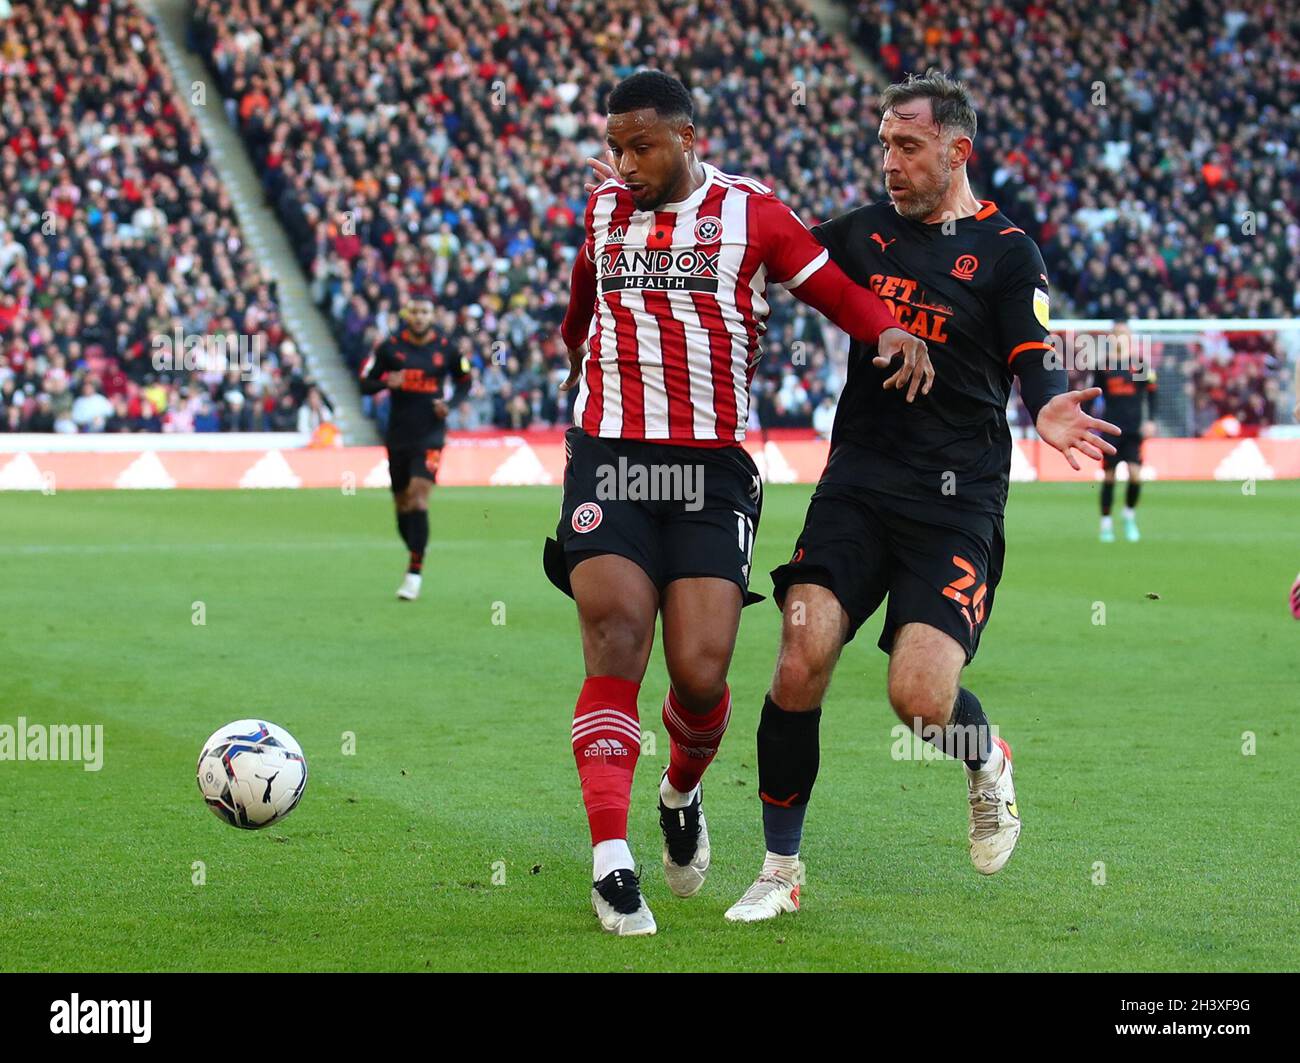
(863, 315)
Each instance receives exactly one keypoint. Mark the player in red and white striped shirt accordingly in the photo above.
(661, 502)
(679, 306)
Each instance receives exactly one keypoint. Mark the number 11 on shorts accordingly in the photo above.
(745, 534)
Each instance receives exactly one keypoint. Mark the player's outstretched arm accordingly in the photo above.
(1062, 424)
(858, 311)
(797, 261)
(863, 315)
(1023, 309)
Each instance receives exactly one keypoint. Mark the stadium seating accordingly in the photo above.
(420, 143)
(114, 231)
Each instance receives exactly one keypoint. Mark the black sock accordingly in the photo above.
(967, 735)
(788, 756)
(404, 527)
(1107, 496)
(419, 538)
(1131, 493)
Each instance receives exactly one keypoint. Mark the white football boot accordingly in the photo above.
(994, 817)
(686, 845)
(773, 893)
(410, 588)
(619, 906)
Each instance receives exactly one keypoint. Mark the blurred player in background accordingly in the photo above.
(1128, 400)
(910, 505)
(414, 366)
(675, 268)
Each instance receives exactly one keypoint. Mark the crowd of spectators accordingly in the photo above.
(420, 144)
(1237, 379)
(116, 236)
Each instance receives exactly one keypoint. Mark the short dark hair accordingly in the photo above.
(949, 100)
(651, 88)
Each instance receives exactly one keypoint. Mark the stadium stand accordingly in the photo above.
(117, 238)
(411, 142)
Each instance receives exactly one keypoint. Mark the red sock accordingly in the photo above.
(695, 739)
(606, 744)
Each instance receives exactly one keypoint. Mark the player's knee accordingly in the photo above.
(919, 700)
(700, 687)
(615, 645)
(802, 675)
(699, 676)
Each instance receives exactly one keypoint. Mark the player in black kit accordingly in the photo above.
(414, 366)
(1128, 399)
(911, 501)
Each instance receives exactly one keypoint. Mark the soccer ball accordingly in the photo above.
(252, 773)
(1295, 598)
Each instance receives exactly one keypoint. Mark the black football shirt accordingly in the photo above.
(1125, 393)
(412, 420)
(975, 289)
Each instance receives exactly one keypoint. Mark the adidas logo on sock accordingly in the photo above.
(605, 747)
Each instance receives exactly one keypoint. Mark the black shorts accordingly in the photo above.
(678, 512)
(408, 463)
(1128, 448)
(938, 565)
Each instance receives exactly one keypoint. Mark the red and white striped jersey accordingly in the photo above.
(680, 307)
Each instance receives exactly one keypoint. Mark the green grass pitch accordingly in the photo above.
(454, 837)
